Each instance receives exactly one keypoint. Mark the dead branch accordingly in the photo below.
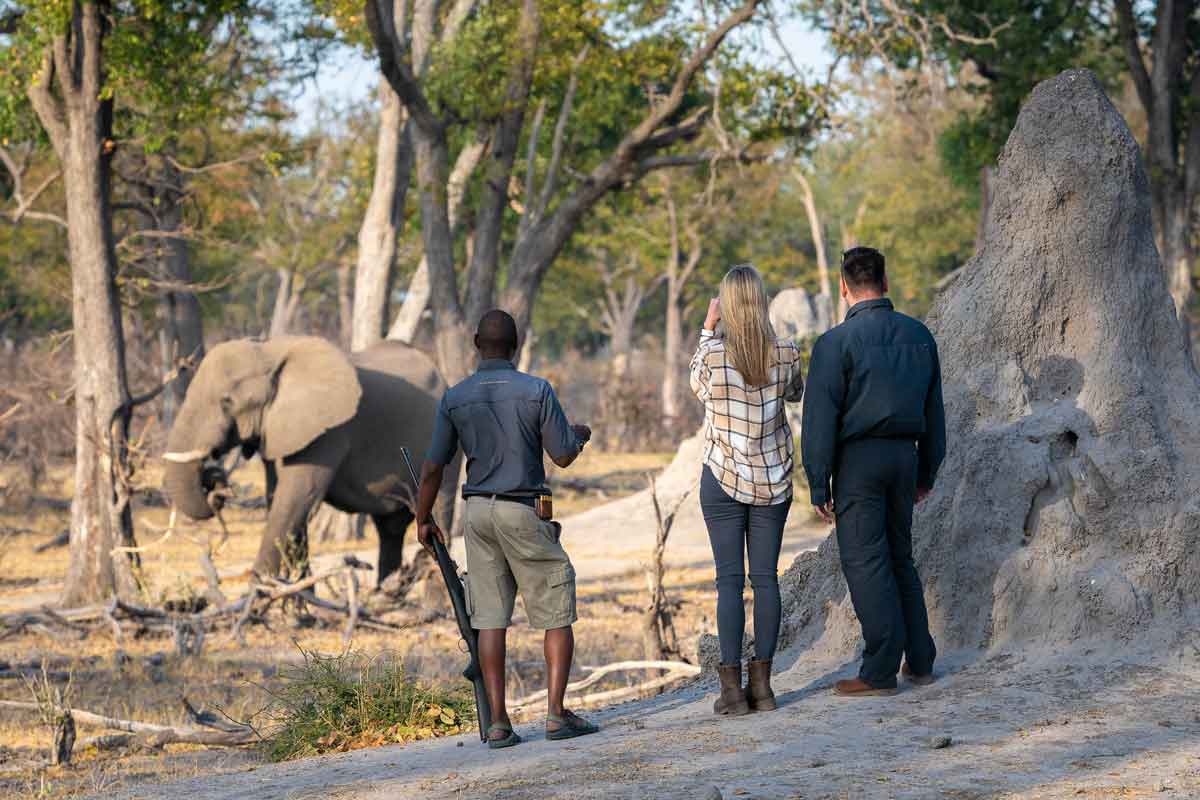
(159, 734)
(189, 629)
(10, 413)
(108, 741)
(676, 671)
(352, 602)
(597, 674)
(61, 540)
(659, 637)
(24, 203)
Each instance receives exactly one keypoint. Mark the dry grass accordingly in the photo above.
(117, 679)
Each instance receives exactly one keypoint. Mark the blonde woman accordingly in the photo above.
(744, 374)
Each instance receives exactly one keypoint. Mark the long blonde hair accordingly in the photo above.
(749, 336)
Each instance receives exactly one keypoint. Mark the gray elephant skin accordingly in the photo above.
(328, 427)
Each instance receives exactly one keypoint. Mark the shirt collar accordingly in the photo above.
(866, 305)
(493, 364)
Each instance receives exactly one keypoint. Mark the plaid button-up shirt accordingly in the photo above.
(749, 446)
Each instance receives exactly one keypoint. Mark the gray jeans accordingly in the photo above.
(735, 529)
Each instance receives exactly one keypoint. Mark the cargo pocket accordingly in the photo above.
(562, 588)
(468, 597)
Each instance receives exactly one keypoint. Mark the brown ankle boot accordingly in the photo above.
(758, 690)
(732, 701)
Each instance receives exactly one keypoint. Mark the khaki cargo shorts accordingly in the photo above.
(509, 548)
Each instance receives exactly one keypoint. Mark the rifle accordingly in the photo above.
(458, 599)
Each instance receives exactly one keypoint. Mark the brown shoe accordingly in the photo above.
(914, 678)
(732, 702)
(758, 690)
(857, 687)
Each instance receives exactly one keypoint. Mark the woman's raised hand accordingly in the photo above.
(714, 314)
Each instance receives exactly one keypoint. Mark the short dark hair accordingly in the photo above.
(497, 332)
(863, 268)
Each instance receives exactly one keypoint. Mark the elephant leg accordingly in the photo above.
(301, 483)
(391, 529)
(272, 481)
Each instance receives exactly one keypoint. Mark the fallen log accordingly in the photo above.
(676, 670)
(158, 735)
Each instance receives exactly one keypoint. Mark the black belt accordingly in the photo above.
(510, 498)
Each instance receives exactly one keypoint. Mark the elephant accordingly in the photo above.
(328, 427)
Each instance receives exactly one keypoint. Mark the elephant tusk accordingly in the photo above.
(185, 458)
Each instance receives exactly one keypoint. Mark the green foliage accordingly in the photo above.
(34, 280)
(158, 54)
(998, 50)
(890, 188)
(344, 702)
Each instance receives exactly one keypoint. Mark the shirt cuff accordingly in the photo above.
(705, 333)
(819, 496)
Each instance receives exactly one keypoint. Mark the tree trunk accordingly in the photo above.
(677, 276)
(1173, 237)
(416, 300)
(672, 343)
(408, 320)
(179, 308)
(79, 126)
(287, 299)
(452, 343)
(382, 221)
(528, 341)
(818, 237)
(506, 137)
(345, 304)
(1173, 159)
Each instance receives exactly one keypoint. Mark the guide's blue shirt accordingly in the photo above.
(503, 419)
(875, 375)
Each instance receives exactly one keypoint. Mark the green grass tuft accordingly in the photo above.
(349, 701)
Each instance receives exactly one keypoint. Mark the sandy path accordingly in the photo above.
(1020, 728)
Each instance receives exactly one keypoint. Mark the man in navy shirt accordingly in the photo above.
(875, 427)
(503, 420)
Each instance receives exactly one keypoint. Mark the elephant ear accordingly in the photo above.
(316, 388)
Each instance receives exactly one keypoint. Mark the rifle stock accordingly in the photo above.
(458, 599)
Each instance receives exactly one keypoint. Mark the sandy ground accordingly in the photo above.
(1018, 727)
(1107, 724)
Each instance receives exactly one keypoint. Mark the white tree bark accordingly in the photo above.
(287, 299)
(382, 221)
(818, 237)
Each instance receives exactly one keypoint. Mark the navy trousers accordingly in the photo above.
(737, 530)
(873, 487)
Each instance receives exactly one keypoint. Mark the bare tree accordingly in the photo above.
(623, 296)
(1174, 158)
(157, 189)
(659, 640)
(679, 271)
(818, 237)
(288, 293)
(291, 208)
(381, 223)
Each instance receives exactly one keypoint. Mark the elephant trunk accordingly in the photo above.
(185, 489)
